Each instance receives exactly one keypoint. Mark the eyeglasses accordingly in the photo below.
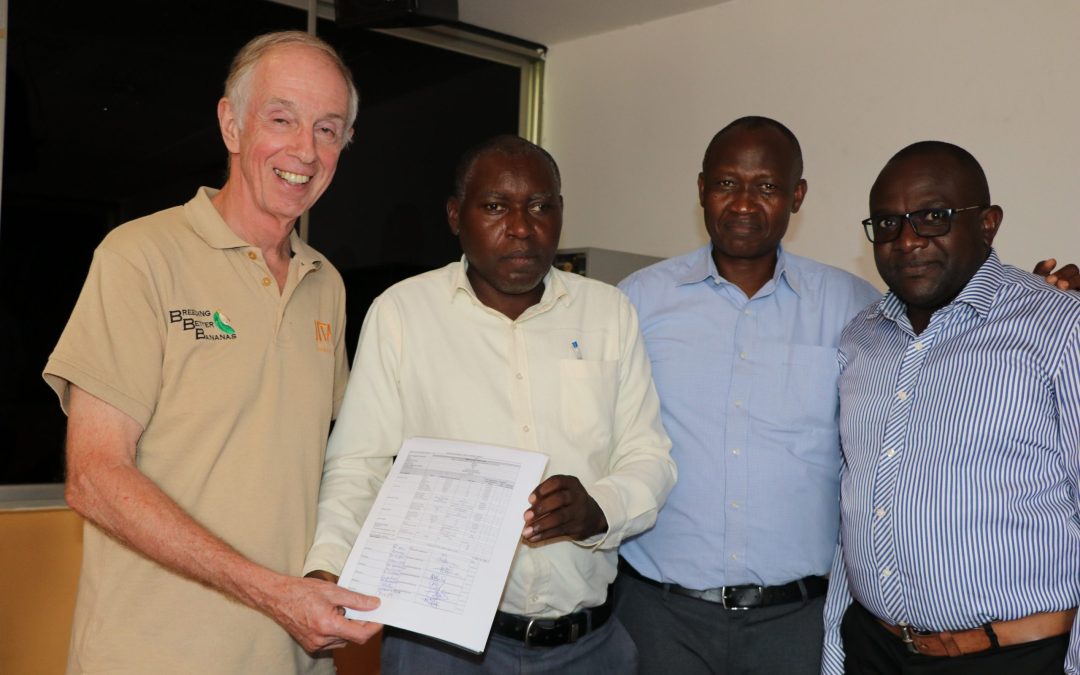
(925, 222)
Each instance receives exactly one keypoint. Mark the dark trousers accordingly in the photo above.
(605, 651)
(677, 635)
(872, 650)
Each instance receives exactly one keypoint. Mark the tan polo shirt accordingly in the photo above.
(569, 378)
(181, 325)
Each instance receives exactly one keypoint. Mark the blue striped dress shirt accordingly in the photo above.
(748, 395)
(960, 480)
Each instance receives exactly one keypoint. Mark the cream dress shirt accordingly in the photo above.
(434, 361)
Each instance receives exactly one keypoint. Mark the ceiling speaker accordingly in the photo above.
(394, 13)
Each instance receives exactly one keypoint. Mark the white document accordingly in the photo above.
(437, 545)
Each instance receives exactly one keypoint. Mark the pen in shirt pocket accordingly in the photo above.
(576, 349)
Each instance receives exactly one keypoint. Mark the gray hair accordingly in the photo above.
(238, 83)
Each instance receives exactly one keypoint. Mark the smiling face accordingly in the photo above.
(748, 189)
(284, 150)
(508, 221)
(927, 273)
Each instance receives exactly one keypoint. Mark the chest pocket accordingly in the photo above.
(802, 380)
(587, 407)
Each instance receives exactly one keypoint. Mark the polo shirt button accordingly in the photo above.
(266, 281)
(253, 255)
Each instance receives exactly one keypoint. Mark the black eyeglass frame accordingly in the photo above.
(916, 220)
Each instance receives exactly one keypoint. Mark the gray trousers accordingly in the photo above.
(606, 651)
(677, 635)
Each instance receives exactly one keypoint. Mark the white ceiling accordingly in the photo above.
(552, 21)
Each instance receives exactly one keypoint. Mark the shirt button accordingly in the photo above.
(266, 281)
(525, 428)
(534, 598)
(879, 512)
(902, 395)
(734, 556)
(519, 376)
(736, 451)
(890, 453)
(252, 255)
(919, 346)
(886, 572)
(734, 505)
(738, 403)
(747, 312)
(742, 355)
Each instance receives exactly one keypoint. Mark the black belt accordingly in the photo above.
(742, 597)
(552, 632)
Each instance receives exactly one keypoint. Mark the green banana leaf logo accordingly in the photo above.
(222, 322)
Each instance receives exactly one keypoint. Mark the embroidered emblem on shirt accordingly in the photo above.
(222, 322)
(323, 337)
(204, 324)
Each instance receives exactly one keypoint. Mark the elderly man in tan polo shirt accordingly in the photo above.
(200, 370)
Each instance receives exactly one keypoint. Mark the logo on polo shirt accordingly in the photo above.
(324, 340)
(204, 324)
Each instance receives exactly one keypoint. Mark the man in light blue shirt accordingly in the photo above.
(743, 339)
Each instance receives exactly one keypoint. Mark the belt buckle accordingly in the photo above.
(724, 599)
(528, 629)
(906, 636)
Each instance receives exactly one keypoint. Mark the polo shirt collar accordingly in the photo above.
(212, 228)
(978, 293)
(702, 267)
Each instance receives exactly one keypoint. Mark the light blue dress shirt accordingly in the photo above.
(962, 460)
(748, 395)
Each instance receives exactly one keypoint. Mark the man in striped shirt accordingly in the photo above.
(960, 427)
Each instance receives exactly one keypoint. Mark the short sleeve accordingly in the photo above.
(113, 343)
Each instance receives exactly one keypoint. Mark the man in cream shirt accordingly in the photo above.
(500, 348)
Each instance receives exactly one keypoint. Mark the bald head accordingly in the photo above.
(754, 123)
(962, 165)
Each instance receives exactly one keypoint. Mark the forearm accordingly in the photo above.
(123, 502)
(105, 486)
(631, 496)
(836, 604)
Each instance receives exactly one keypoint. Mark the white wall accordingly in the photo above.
(628, 114)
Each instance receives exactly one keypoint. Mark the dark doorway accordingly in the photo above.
(109, 116)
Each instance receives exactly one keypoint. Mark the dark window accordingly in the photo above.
(110, 115)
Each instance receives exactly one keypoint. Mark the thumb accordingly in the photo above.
(1045, 267)
(357, 601)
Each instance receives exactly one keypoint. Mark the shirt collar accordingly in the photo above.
(978, 293)
(554, 288)
(702, 267)
(212, 228)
